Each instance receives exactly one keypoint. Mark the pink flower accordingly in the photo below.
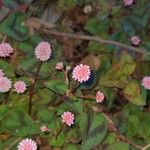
(27, 144)
(99, 97)
(5, 50)
(59, 66)
(5, 84)
(135, 40)
(128, 2)
(1, 73)
(146, 82)
(81, 73)
(44, 128)
(20, 87)
(43, 51)
(68, 118)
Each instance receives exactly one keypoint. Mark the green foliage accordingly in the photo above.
(57, 86)
(116, 71)
(8, 68)
(12, 27)
(132, 93)
(118, 75)
(93, 128)
(18, 123)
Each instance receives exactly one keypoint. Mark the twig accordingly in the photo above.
(48, 30)
(146, 147)
(32, 88)
(9, 148)
(120, 136)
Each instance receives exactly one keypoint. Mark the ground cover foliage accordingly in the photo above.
(119, 61)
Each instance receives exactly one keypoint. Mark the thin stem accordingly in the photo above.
(48, 30)
(146, 147)
(32, 88)
(74, 89)
(6, 97)
(10, 147)
(4, 38)
(120, 136)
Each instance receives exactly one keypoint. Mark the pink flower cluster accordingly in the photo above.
(5, 50)
(68, 118)
(43, 51)
(20, 87)
(27, 144)
(135, 40)
(99, 97)
(81, 73)
(44, 128)
(128, 2)
(5, 84)
(146, 82)
(59, 66)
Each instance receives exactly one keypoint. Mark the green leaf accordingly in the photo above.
(57, 141)
(18, 123)
(3, 111)
(12, 26)
(70, 147)
(132, 93)
(57, 86)
(118, 146)
(96, 26)
(8, 68)
(67, 4)
(132, 126)
(94, 128)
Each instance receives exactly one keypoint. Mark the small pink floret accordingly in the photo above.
(1, 73)
(20, 87)
(5, 84)
(146, 82)
(81, 73)
(68, 118)
(44, 128)
(135, 40)
(59, 66)
(27, 144)
(99, 97)
(128, 2)
(5, 50)
(43, 51)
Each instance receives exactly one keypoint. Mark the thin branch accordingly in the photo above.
(16, 141)
(32, 88)
(146, 147)
(48, 30)
(120, 136)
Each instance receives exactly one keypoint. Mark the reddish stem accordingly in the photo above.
(32, 88)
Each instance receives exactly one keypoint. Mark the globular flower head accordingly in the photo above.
(146, 82)
(81, 73)
(20, 87)
(43, 51)
(27, 144)
(44, 128)
(128, 2)
(87, 9)
(135, 40)
(1, 73)
(99, 97)
(59, 66)
(5, 50)
(5, 84)
(68, 118)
